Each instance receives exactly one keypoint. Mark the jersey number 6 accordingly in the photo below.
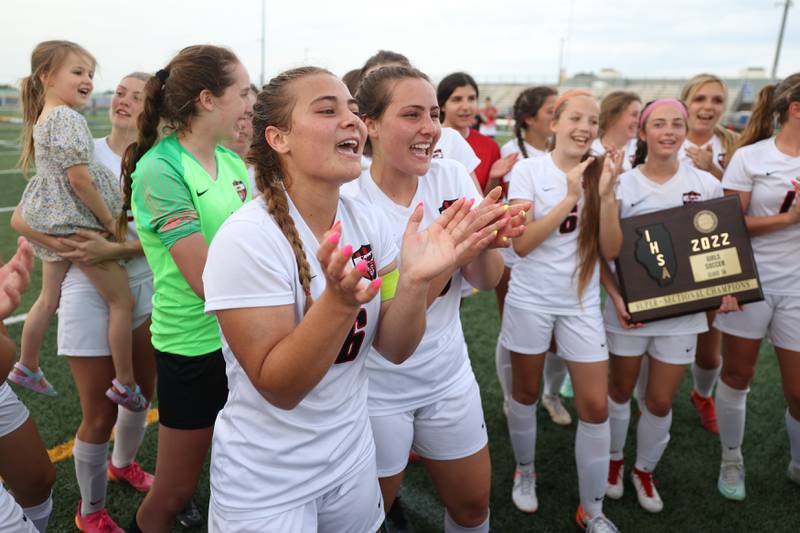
(352, 344)
(788, 200)
(571, 222)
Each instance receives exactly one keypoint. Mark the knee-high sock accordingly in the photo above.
(90, 470)
(522, 430)
(502, 362)
(40, 514)
(731, 410)
(555, 371)
(704, 380)
(592, 442)
(652, 437)
(793, 428)
(619, 417)
(640, 392)
(129, 434)
(450, 525)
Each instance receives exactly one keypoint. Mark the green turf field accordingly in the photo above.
(687, 474)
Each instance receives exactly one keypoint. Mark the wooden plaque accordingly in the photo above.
(683, 260)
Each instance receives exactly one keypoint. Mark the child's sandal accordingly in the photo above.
(35, 381)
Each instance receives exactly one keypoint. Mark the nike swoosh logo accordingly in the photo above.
(545, 189)
(95, 502)
(770, 173)
(634, 204)
(201, 193)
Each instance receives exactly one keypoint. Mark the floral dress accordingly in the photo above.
(49, 203)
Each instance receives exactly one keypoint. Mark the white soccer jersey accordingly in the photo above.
(546, 279)
(512, 147)
(716, 148)
(638, 195)
(767, 173)
(103, 154)
(440, 361)
(267, 460)
(628, 157)
(452, 145)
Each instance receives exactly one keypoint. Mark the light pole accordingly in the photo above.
(786, 5)
(263, 40)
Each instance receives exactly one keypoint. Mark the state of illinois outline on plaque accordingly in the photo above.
(684, 260)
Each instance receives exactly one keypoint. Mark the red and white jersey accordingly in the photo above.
(267, 460)
(638, 195)
(716, 148)
(546, 279)
(440, 362)
(767, 173)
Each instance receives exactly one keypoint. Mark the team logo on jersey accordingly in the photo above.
(241, 190)
(655, 253)
(364, 255)
(446, 204)
(437, 154)
(721, 160)
(691, 196)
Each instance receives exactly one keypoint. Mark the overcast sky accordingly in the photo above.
(513, 40)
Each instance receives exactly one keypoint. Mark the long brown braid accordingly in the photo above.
(527, 105)
(273, 107)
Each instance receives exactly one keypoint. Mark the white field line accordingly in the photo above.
(7, 209)
(11, 171)
(16, 319)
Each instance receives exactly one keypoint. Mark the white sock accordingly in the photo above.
(522, 430)
(704, 380)
(450, 525)
(640, 392)
(40, 514)
(555, 372)
(793, 428)
(129, 434)
(502, 362)
(592, 442)
(652, 437)
(619, 417)
(91, 472)
(731, 410)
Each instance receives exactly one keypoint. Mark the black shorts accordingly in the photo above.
(191, 389)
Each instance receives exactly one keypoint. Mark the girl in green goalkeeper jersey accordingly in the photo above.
(181, 188)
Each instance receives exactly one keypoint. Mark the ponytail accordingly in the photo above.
(761, 124)
(147, 123)
(32, 96)
(589, 234)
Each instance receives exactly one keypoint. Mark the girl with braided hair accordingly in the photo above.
(181, 188)
(293, 279)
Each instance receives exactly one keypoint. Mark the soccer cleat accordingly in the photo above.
(731, 480)
(598, 524)
(97, 522)
(793, 473)
(616, 486)
(524, 492)
(131, 474)
(558, 413)
(566, 388)
(706, 410)
(649, 498)
(190, 517)
(129, 398)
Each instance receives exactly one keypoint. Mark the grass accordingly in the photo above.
(687, 474)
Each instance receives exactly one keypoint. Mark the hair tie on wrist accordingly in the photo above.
(162, 76)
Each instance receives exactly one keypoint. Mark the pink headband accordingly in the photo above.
(570, 94)
(671, 102)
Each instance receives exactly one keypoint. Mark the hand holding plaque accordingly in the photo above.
(684, 260)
